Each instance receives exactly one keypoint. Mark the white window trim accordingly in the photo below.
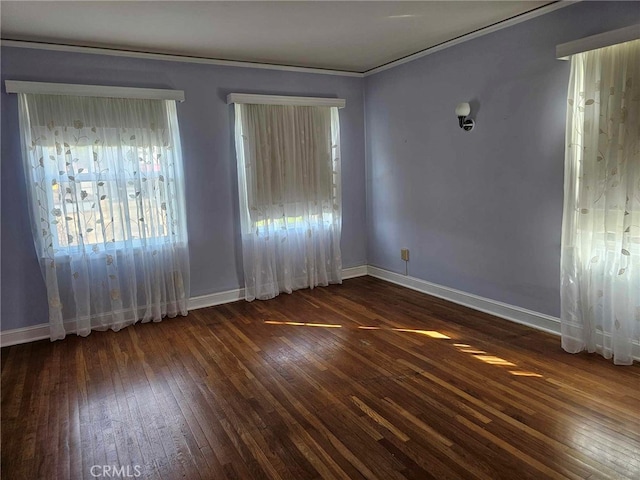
(16, 86)
(285, 100)
(606, 39)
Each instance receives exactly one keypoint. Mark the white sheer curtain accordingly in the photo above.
(104, 176)
(601, 225)
(290, 204)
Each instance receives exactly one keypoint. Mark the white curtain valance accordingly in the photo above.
(15, 86)
(606, 39)
(285, 100)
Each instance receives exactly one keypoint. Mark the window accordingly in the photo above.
(94, 201)
(288, 156)
(104, 171)
(600, 297)
(104, 178)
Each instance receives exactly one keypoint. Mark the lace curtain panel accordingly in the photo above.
(105, 186)
(290, 204)
(601, 226)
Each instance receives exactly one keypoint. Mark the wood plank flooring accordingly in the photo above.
(361, 380)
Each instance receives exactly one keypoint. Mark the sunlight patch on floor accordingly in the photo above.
(519, 373)
(494, 360)
(481, 355)
(301, 324)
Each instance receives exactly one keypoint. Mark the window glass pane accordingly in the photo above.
(104, 171)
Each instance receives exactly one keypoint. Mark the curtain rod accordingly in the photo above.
(606, 39)
(15, 86)
(285, 100)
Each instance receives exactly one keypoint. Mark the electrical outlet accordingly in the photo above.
(404, 254)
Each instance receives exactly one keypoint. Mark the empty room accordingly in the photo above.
(320, 240)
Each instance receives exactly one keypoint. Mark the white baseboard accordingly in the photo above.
(219, 298)
(530, 318)
(515, 314)
(24, 335)
(229, 296)
(41, 332)
(354, 272)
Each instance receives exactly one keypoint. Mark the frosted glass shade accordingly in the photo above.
(463, 109)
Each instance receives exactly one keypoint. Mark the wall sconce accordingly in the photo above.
(462, 111)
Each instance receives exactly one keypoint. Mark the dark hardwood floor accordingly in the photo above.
(363, 380)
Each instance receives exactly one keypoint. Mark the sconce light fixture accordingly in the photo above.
(462, 111)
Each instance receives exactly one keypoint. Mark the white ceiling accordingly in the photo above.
(352, 36)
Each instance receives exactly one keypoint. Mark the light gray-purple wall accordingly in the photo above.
(480, 211)
(206, 124)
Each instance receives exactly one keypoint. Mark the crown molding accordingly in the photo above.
(171, 58)
(473, 35)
